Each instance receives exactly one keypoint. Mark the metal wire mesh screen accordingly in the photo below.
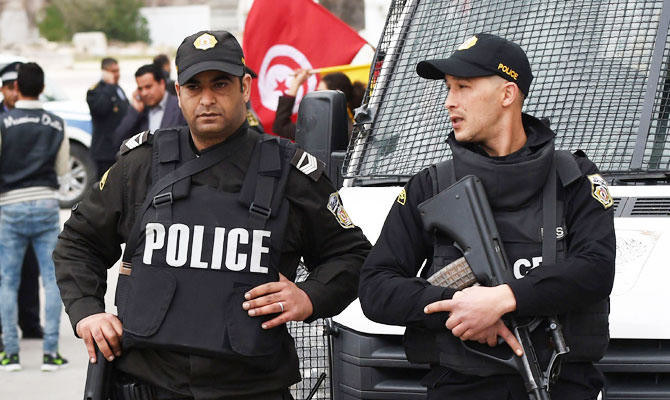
(657, 146)
(313, 352)
(591, 61)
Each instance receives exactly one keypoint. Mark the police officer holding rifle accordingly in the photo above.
(215, 217)
(559, 278)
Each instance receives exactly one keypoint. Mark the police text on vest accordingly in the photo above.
(178, 252)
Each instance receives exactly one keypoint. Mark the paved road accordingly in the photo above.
(66, 384)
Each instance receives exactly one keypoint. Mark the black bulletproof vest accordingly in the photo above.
(199, 250)
(34, 137)
(586, 330)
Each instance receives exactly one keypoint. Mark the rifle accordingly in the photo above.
(462, 212)
(98, 378)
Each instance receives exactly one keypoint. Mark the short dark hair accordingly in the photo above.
(107, 62)
(150, 69)
(30, 80)
(161, 60)
(353, 92)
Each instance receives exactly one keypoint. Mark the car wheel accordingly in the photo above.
(82, 173)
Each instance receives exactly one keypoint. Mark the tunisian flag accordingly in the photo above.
(283, 35)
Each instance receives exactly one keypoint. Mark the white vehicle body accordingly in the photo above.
(642, 271)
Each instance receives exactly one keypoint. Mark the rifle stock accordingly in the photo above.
(462, 212)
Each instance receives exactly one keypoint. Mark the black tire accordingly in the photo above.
(82, 174)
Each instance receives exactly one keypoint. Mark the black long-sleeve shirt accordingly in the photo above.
(390, 291)
(91, 239)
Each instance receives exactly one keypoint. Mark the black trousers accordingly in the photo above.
(29, 295)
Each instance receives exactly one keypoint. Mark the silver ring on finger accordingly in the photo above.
(281, 306)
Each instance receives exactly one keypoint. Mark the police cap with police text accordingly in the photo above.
(209, 50)
(10, 72)
(482, 55)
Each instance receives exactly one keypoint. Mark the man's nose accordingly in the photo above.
(207, 97)
(449, 101)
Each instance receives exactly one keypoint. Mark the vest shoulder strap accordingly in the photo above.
(567, 167)
(308, 164)
(136, 141)
(265, 181)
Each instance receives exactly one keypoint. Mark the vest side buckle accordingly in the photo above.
(162, 199)
(260, 210)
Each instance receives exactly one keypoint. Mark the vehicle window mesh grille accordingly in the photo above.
(313, 351)
(591, 62)
(658, 147)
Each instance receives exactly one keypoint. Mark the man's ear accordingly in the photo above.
(510, 93)
(176, 88)
(246, 87)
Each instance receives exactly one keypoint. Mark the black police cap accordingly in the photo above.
(482, 55)
(209, 50)
(10, 72)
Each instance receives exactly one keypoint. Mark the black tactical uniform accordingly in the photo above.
(332, 249)
(576, 287)
(108, 104)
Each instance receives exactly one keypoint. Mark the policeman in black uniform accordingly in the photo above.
(513, 154)
(215, 217)
(108, 105)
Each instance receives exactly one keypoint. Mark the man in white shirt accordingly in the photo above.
(152, 106)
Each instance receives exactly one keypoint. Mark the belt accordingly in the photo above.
(127, 387)
(130, 388)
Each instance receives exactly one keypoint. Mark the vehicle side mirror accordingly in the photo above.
(323, 129)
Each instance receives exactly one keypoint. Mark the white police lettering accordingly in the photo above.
(257, 251)
(155, 236)
(559, 232)
(217, 253)
(196, 251)
(235, 261)
(523, 266)
(177, 252)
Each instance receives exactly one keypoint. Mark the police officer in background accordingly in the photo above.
(215, 217)
(108, 105)
(10, 93)
(513, 154)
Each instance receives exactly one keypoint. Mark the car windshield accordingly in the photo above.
(600, 76)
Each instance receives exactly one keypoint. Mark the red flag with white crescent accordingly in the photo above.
(283, 35)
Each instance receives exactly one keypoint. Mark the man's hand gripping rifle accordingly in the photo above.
(462, 213)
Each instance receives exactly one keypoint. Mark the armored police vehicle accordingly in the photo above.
(602, 79)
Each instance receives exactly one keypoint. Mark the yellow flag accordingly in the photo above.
(355, 73)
